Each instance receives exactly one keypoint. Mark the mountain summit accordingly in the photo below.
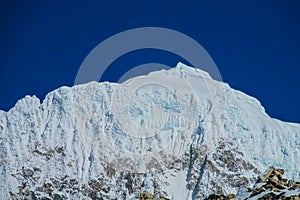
(175, 134)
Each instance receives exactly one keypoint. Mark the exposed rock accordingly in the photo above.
(269, 186)
(216, 197)
(145, 196)
(59, 149)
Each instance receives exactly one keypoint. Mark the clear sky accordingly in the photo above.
(255, 44)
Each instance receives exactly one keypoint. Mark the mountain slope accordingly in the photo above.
(177, 134)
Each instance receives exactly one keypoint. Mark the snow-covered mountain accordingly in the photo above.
(175, 134)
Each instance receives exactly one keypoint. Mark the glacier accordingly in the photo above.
(176, 132)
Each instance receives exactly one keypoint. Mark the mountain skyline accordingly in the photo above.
(254, 44)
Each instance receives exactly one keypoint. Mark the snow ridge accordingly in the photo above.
(170, 125)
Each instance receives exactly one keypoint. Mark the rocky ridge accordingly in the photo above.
(270, 186)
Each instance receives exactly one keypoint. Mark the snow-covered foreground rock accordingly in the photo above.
(175, 134)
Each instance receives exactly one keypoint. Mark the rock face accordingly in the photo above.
(175, 134)
(271, 185)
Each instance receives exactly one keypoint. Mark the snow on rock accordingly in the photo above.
(177, 134)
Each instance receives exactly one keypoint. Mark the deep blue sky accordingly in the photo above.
(255, 44)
